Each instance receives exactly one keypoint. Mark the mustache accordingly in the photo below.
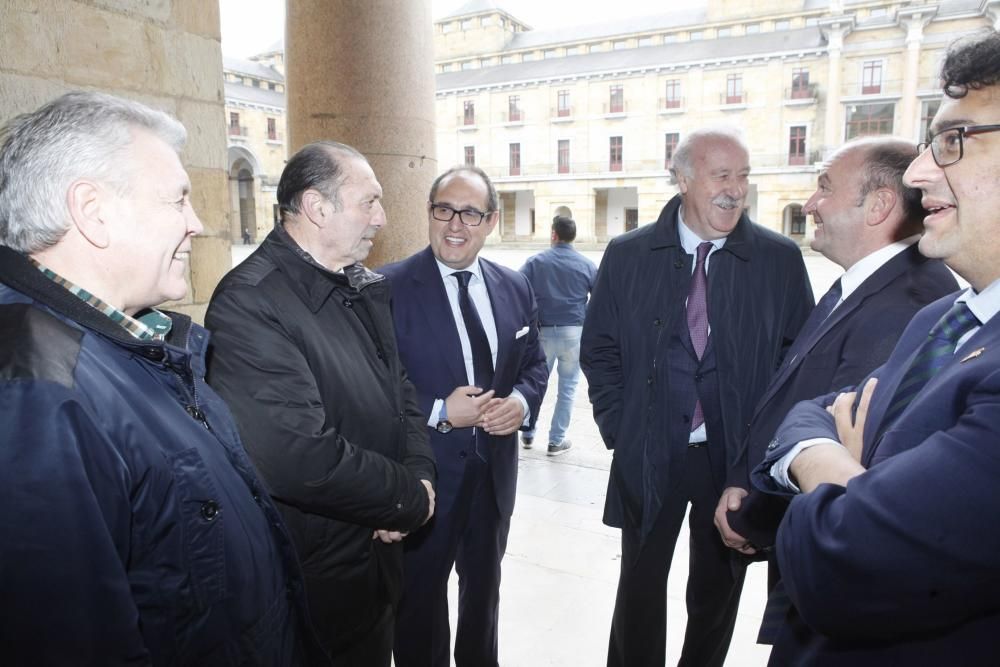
(725, 201)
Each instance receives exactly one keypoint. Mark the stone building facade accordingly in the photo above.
(583, 120)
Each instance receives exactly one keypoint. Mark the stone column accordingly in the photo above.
(913, 20)
(362, 72)
(835, 29)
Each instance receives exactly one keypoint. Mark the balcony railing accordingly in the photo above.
(466, 121)
(615, 109)
(561, 113)
(510, 117)
(725, 99)
(802, 92)
(670, 103)
(238, 131)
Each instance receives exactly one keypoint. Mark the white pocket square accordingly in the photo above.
(522, 332)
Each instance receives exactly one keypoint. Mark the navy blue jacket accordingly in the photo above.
(900, 566)
(758, 299)
(135, 530)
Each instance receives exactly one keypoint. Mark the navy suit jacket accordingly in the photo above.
(853, 341)
(432, 353)
(901, 566)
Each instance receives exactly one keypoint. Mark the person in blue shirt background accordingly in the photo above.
(562, 279)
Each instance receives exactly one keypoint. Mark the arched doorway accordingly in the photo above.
(242, 172)
(794, 222)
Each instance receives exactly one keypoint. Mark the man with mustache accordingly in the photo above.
(688, 320)
(305, 355)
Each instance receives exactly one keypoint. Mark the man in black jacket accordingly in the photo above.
(688, 320)
(305, 355)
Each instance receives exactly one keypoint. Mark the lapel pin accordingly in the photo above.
(972, 355)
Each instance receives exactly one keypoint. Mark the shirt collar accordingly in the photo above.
(152, 325)
(689, 240)
(985, 304)
(862, 269)
(446, 271)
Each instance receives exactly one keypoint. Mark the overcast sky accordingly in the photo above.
(250, 26)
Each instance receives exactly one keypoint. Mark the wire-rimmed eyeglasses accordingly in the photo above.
(469, 217)
(948, 146)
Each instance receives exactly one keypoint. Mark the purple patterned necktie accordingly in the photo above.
(697, 317)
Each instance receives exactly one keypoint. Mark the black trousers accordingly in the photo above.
(471, 534)
(715, 578)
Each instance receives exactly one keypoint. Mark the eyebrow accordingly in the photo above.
(949, 124)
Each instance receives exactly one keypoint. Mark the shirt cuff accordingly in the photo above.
(524, 404)
(779, 471)
(436, 412)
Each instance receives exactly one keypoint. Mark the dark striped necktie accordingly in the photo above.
(933, 355)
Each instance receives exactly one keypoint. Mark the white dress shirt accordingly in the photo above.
(480, 298)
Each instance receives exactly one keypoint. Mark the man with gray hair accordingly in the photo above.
(689, 318)
(135, 529)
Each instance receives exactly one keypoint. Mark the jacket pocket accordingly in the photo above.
(201, 522)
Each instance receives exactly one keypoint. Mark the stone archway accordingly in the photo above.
(243, 173)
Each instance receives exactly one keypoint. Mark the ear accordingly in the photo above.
(879, 205)
(91, 209)
(682, 183)
(313, 207)
(491, 221)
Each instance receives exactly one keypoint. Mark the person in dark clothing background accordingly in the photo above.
(305, 354)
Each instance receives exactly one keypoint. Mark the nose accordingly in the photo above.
(810, 205)
(194, 225)
(736, 188)
(379, 218)
(922, 170)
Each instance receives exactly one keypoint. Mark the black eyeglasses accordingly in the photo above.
(948, 146)
(470, 217)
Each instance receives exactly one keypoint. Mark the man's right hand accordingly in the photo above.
(466, 404)
(731, 500)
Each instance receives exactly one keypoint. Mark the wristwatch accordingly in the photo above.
(443, 425)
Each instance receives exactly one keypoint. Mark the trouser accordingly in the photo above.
(561, 345)
(715, 579)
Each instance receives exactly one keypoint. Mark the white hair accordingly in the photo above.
(78, 135)
(682, 162)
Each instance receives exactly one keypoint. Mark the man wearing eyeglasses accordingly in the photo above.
(468, 335)
(889, 549)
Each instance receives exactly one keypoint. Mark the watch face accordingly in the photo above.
(444, 426)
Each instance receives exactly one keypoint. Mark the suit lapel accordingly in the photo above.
(440, 320)
(505, 320)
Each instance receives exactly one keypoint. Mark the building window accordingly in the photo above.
(255, 83)
(869, 119)
(800, 83)
(485, 21)
(928, 111)
(506, 60)
(469, 64)
(734, 89)
(796, 220)
(470, 156)
(673, 98)
(572, 50)
(515, 159)
(670, 39)
(644, 41)
(272, 129)
(753, 28)
(617, 103)
(672, 139)
(724, 32)
(878, 11)
(530, 55)
(448, 27)
(514, 109)
(782, 25)
(467, 24)
(564, 156)
(562, 104)
(234, 124)
(871, 77)
(469, 117)
(619, 45)
(271, 86)
(615, 158)
(811, 21)
(549, 53)
(697, 35)
(797, 144)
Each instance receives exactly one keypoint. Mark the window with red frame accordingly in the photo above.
(515, 159)
(563, 156)
(673, 98)
(469, 117)
(871, 77)
(470, 156)
(797, 144)
(672, 139)
(617, 102)
(615, 159)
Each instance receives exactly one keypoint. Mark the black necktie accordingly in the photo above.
(482, 357)
(816, 318)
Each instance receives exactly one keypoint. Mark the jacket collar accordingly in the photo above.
(302, 269)
(17, 272)
(740, 241)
